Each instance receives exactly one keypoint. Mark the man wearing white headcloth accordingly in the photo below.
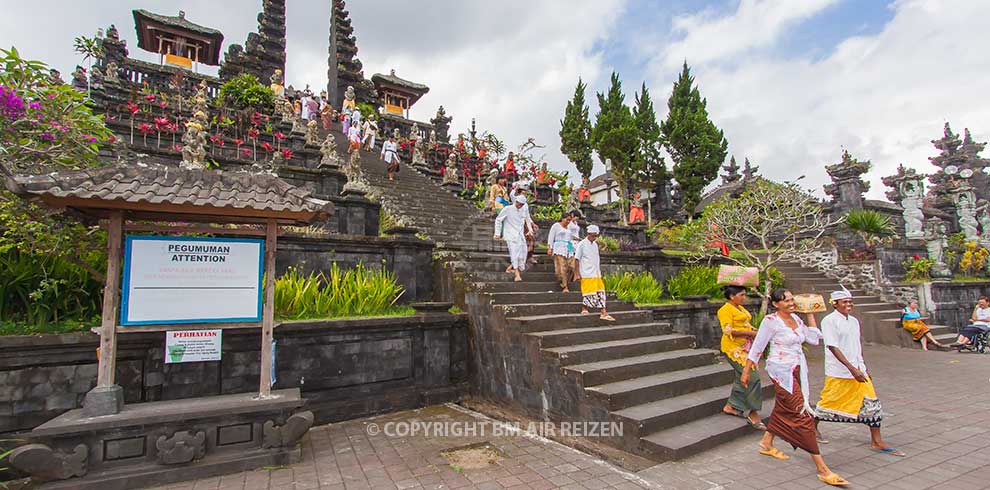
(590, 272)
(848, 394)
(510, 225)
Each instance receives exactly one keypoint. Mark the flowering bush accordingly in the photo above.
(917, 268)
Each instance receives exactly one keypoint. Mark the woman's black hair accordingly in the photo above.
(730, 291)
(778, 295)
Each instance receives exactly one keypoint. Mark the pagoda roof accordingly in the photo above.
(146, 22)
(391, 81)
(156, 191)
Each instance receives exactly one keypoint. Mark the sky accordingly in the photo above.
(791, 82)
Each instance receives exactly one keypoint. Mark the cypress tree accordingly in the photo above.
(575, 132)
(615, 136)
(695, 145)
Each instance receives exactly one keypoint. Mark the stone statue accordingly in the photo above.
(349, 100)
(419, 152)
(984, 218)
(450, 172)
(396, 134)
(112, 33)
(312, 133)
(96, 78)
(965, 202)
(298, 124)
(111, 75)
(329, 151)
(79, 79)
(199, 101)
(936, 242)
(414, 132)
(353, 168)
(433, 138)
(276, 83)
(912, 194)
(55, 77)
(193, 146)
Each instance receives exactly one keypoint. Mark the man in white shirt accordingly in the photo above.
(531, 227)
(590, 271)
(510, 225)
(561, 248)
(370, 133)
(848, 394)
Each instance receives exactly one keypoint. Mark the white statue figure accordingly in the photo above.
(312, 133)
(965, 202)
(433, 138)
(414, 132)
(349, 100)
(450, 172)
(329, 151)
(396, 134)
(193, 146)
(984, 218)
(110, 75)
(199, 101)
(911, 196)
(419, 152)
(935, 244)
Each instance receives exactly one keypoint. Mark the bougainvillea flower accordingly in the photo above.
(287, 154)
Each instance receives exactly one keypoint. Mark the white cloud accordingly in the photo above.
(882, 96)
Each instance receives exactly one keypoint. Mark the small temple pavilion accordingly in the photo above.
(397, 94)
(178, 41)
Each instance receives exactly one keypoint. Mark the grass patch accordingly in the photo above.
(15, 328)
(455, 310)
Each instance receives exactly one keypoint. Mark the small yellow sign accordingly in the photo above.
(176, 60)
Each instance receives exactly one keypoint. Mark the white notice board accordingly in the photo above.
(172, 280)
(193, 345)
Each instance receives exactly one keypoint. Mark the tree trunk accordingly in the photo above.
(766, 296)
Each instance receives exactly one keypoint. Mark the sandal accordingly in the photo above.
(820, 439)
(774, 453)
(893, 451)
(834, 480)
(756, 425)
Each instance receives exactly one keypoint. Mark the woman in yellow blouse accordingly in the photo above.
(737, 337)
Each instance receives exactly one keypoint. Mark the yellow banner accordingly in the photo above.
(178, 61)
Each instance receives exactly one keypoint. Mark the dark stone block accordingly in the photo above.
(130, 447)
(235, 434)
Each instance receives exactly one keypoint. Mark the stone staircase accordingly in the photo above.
(538, 354)
(442, 216)
(880, 321)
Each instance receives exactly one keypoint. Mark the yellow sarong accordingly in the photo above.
(848, 400)
(916, 328)
(591, 285)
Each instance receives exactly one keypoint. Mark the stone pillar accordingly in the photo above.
(847, 187)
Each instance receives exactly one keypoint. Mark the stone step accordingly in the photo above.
(864, 307)
(636, 391)
(616, 349)
(562, 308)
(612, 370)
(523, 286)
(502, 276)
(536, 297)
(696, 436)
(538, 323)
(583, 336)
(893, 313)
(659, 415)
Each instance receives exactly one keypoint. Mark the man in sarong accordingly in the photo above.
(590, 272)
(510, 225)
(561, 248)
(848, 394)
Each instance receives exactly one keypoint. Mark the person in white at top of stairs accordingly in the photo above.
(510, 225)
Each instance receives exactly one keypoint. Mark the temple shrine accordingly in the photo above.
(178, 41)
(397, 94)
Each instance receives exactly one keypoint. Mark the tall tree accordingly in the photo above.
(696, 146)
(615, 137)
(575, 132)
(651, 166)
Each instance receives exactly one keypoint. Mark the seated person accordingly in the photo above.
(912, 322)
(980, 322)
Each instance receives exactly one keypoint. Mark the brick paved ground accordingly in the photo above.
(938, 407)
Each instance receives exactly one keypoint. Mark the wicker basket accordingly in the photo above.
(809, 303)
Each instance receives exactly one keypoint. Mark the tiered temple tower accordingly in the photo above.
(343, 67)
(847, 187)
(265, 50)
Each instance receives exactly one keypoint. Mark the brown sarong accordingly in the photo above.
(788, 422)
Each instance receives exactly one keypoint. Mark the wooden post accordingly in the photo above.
(111, 303)
(268, 310)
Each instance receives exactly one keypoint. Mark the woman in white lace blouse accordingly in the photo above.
(792, 418)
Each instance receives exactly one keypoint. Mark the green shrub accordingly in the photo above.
(245, 92)
(37, 291)
(639, 288)
(608, 244)
(776, 278)
(872, 226)
(697, 280)
(355, 292)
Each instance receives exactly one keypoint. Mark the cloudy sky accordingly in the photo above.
(790, 81)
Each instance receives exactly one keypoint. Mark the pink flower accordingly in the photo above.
(287, 154)
(177, 147)
(916, 257)
(150, 97)
(246, 152)
(239, 141)
(267, 146)
(280, 136)
(252, 133)
(145, 128)
(131, 106)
